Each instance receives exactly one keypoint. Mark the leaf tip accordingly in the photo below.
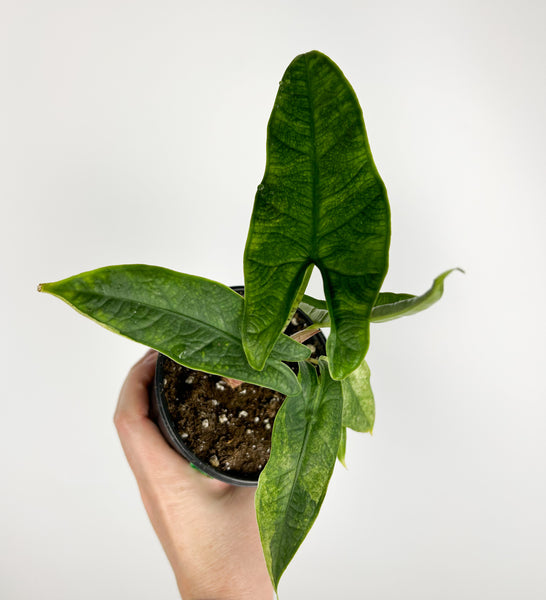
(39, 287)
(446, 273)
(254, 351)
(293, 390)
(252, 356)
(339, 372)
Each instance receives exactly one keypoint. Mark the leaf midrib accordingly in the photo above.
(308, 427)
(314, 163)
(168, 311)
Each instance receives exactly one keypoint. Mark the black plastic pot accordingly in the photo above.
(159, 412)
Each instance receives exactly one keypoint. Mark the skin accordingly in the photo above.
(207, 528)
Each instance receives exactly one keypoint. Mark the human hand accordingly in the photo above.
(207, 528)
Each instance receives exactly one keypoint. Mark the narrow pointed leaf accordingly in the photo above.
(194, 321)
(321, 201)
(291, 488)
(393, 306)
(358, 400)
(388, 305)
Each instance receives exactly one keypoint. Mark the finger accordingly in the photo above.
(147, 452)
(133, 399)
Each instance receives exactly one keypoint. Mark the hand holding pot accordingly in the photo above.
(207, 528)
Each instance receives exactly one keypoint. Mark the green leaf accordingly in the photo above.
(388, 306)
(390, 298)
(291, 488)
(299, 295)
(342, 447)
(318, 313)
(194, 321)
(321, 201)
(358, 400)
(314, 302)
(393, 306)
(320, 317)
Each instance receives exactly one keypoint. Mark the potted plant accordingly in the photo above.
(221, 425)
(321, 203)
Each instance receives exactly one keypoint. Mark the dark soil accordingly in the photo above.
(228, 428)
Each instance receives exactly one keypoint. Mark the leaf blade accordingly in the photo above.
(321, 201)
(358, 400)
(388, 305)
(318, 313)
(314, 302)
(291, 488)
(342, 447)
(395, 306)
(194, 321)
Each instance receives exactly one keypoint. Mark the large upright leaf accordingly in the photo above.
(321, 201)
(194, 321)
(305, 442)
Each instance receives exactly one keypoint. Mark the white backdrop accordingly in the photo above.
(134, 131)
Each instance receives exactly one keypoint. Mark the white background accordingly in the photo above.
(134, 131)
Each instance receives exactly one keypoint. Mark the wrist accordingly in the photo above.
(209, 576)
(233, 590)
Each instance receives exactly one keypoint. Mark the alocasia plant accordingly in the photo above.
(321, 202)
